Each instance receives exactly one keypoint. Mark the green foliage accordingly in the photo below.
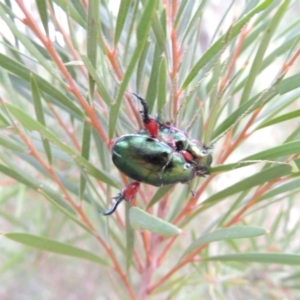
(54, 246)
(67, 73)
(142, 220)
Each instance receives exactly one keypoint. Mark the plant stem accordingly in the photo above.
(90, 110)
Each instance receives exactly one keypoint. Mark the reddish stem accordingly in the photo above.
(286, 66)
(165, 250)
(85, 4)
(66, 39)
(30, 22)
(65, 127)
(260, 191)
(78, 209)
(229, 149)
(175, 57)
(243, 135)
(244, 33)
(111, 55)
(7, 182)
(169, 274)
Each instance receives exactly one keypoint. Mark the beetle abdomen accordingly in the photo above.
(147, 160)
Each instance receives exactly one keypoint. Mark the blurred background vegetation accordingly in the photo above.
(227, 73)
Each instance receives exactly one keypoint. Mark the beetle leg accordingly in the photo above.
(127, 193)
(191, 191)
(111, 210)
(150, 124)
(130, 190)
(163, 168)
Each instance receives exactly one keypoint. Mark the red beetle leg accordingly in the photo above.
(152, 127)
(126, 194)
(150, 124)
(130, 191)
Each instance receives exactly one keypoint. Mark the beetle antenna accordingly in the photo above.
(191, 191)
(111, 210)
(146, 118)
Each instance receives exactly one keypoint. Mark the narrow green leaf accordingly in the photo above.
(159, 32)
(173, 285)
(72, 12)
(254, 180)
(80, 8)
(163, 22)
(162, 86)
(293, 276)
(101, 150)
(129, 238)
(224, 17)
(31, 124)
(153, 81)
(267, 258)
(142, 36)
(92, 33)
(183, 5)
(288, 84)
(294, 166)
(100, 86)
(145, 22)
(219, 44)
(296, 163)
(141, 220)
(42, 8)
(269, 154)
(13, 220)
(141, 69)
(275, 152)
(190, 28)
(214, 114)
(44, 85)
(17, 176)
(28, 43)
(159, 194)
(3, 121)
(288, 187)
(34, 184)
(245, 108)
(49, 245)
(283, 49)
(134, 15)
(256, 65)
(14, 260)
(282, 118)
(39, 112)
(70, 215)
(8, 8)
(85, 153)
(9, 144)
(121, 18)
(238, 232)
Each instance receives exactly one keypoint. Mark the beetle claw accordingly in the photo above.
(126, 194)
(111, 210)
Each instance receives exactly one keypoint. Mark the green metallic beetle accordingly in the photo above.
(158, 155)
(147, 160)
